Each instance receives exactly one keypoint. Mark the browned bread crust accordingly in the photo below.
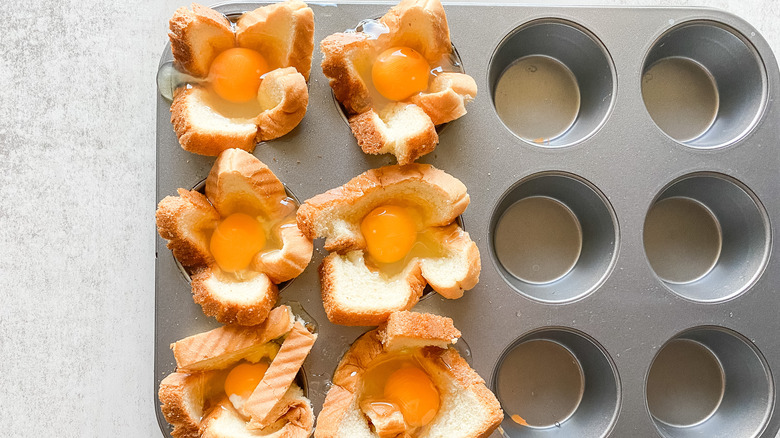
(351, 293)
(192, 397)
(405, 129)
(237, 182)
(404, 327)
(283, 33)
(449, 371)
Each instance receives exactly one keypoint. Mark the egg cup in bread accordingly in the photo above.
(238, 241)
(238, 381)
(392, 80)
(403, 380)
(251, 81)
(390, 231)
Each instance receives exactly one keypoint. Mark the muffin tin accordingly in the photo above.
(644, 301)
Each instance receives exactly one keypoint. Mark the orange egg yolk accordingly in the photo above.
(400, 72)
(414, 393)
(244, 378)
(235, 74)
(235, 242)
(390, 233)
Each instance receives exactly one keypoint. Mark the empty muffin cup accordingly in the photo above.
(201, 187)
(552, 82)
(553, 237)
(556, 382)
(704, 84)
(709, 381)
(707, 237)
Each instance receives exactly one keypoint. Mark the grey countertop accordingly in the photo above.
(77, 201)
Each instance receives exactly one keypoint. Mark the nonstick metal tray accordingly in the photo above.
(655, 311)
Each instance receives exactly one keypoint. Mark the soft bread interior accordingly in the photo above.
(420, 25)
(197, 37)
(185, 222)
(245, 302)
(446, 97)
(401, 129)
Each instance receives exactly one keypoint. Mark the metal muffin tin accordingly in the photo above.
(611, 313)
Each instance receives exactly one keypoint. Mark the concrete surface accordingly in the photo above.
(77, 200)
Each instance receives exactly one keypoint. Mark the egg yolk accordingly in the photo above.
(390, 233)
(235, 242)
(414, 393)
(400, 72)
(235, 74)
(244, 378)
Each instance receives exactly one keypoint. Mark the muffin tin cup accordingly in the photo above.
(601, 176)
(704, 84)
(709, 381)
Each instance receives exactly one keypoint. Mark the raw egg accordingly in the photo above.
(400, 72)
(414, 393)
(236, 73)
(243, 379)
(236, 240)
(390, 233)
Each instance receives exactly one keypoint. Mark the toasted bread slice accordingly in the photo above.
(283, 33)
(468, 408)
(417, 330)
(222, 347)
(355, 294)
(266, 404)
(336, 214)
(405, 129)
(197, 37)
(203, 128)
(238, 182)
(193, 398)
(401, 129)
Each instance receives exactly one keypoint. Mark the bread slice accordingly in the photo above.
(193, 398)
(405, 129)
(238, 182)
(353, 293)
(283, 33)
(468, 408)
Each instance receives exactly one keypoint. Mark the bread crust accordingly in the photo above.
(283, 33)
(445, 366)
(336, 215)
(381, 127)
(192, 397)
(237, 182)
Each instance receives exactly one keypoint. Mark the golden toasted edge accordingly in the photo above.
(238, 181)
(290, 22)
(285, 95)
(193, 133)
(266, 404)
(421, 25)
(197, 37)
(348, 86)
(446, 97)
(182, 398)
(290, 261)
(218, 299)
(377, 134)
(427, 327)
(175, 217)
(313, 216)
(228, 344)
(340, 313)
(346, 379)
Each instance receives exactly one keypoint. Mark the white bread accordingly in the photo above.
(193, 398)
(468, 409)
(283, 33)
(405, 129)
(237, 182)
(352, 293)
